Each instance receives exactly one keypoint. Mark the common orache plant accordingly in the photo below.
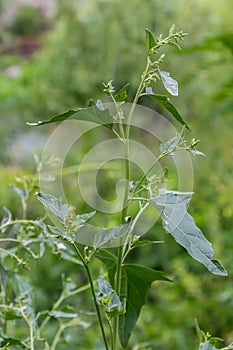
(120, 293)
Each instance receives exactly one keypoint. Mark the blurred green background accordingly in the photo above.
(55, 55)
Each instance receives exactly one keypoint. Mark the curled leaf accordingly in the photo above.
(169, 83)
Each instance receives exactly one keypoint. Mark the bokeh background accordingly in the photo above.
(55, 55)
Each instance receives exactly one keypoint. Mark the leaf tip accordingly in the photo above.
(34, 123)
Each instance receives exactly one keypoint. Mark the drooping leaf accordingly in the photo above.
(150, 40)
(61, 314)
(195, 152)
(136, 280)
(208, 346)
(121, 96)
(169, 83)
(166, 103)
(7, 218)
(174, 44)
(170, 145)
(106, 235)
(54, 205)
(60, 233)
(144, 243)
(46, 346)
(21, 192)
(12, 314)
(81, 219)
(180, 224)
(10, 341)
(93, 113)
(108, 298)
(110, 261)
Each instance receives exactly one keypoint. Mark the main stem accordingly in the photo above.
(126, 137)
(93, 295)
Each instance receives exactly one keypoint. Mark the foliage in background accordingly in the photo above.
(44, 85)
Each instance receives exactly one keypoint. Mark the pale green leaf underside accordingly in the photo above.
(106, 235)
(180, 224)
(54, 205)
(169, 83)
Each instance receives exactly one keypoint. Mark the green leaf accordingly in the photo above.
(208, 346)
(150, 40)
(60, 233)
(121, 96)
(110, 261)
(21, 192)
(169, 83)
(93, 113)
(54, 205)
(180, 224)
(170, 145)
(195, 152)
(8, 341)
(81, 219)
(46, 346)
(174, 44)
(7, 218)
(12, 314)
(136, 280)
(108, 298)
(144, 243)
(165, 102)
(106, 235)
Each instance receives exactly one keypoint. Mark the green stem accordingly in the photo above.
(161, 156)
(126, 195)
(57, 337)
(9, 223)
(63, 296)
(31, 336)
(93, 294)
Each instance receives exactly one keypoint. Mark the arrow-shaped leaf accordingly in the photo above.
(54, 205)
(180, 224)
(110, 261)
(136, 280)
(106, 235)
(93, 113)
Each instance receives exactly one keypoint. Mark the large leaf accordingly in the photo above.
(54, 205)
(166, 103)
(136, 280)
(93, 113)
(10, 341)
(110, 261)
(180, 224)
(106, 235)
